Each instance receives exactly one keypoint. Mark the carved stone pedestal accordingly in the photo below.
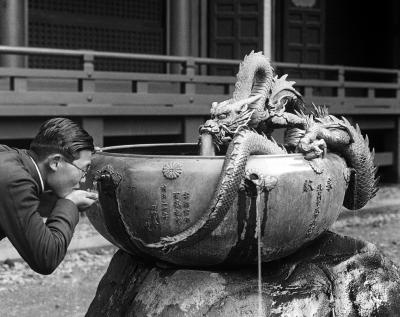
(333, 276)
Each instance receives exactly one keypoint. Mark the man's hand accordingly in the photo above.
(82, 199)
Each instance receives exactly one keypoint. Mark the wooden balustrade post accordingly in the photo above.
(229, 89)
(88, 64)
(190, 70)
(140, 87)
(93, 125)
(191, 124)
(371, 93)
(341, 89)
(18, 84)
(87, 84)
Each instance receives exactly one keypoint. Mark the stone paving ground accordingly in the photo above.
(70, 289)
(378, 222)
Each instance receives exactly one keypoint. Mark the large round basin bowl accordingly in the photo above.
(158, 191)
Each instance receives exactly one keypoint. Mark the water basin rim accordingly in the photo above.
(145, 145)
(105, 151)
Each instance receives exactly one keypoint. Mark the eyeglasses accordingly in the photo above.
(84, 172)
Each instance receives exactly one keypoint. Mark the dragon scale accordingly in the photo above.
(363, 185)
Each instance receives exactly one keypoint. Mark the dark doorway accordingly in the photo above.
(235, 29)
(300, 31)
(342, 32)
(362, 33)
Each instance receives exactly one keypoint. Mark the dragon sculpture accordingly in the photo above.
(242, 126)
(283, 107)
(338, 135)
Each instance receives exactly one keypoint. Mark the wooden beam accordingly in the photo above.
(133, 126)
(66, 98)
(105, 110)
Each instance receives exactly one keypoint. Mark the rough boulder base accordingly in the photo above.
(333, 276)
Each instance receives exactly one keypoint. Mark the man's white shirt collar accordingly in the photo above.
(38, 171)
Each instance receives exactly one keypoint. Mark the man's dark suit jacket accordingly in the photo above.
(42, 245)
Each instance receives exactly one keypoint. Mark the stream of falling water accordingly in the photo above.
(259, 256)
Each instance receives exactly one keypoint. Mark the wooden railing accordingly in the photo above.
(338, 87)
(184, 88)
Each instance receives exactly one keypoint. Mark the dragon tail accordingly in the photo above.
(342, 137)
(363, 183)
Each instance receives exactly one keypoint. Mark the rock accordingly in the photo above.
(335, 275)
(9, 263)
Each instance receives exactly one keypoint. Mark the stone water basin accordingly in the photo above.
(163, 189)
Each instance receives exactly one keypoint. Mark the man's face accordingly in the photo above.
(66, 176)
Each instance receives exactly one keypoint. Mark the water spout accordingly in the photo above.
(206, 145)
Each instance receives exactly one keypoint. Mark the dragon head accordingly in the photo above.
(227, 117)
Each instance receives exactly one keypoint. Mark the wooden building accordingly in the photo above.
(147, 71)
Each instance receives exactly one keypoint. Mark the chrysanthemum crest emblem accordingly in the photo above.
(172, 170)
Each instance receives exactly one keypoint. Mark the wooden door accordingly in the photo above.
(235, 29)
(303, 31)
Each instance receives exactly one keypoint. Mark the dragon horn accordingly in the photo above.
(326, 112)
(346, 121)
(316, 110)
(375, 190)
(366, 140)
(376, 182)
(299, 113)
(246, 100)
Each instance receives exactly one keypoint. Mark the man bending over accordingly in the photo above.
(58, 160)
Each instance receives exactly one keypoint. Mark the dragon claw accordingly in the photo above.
(313, 149)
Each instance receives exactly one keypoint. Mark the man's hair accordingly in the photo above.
(63, 136)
